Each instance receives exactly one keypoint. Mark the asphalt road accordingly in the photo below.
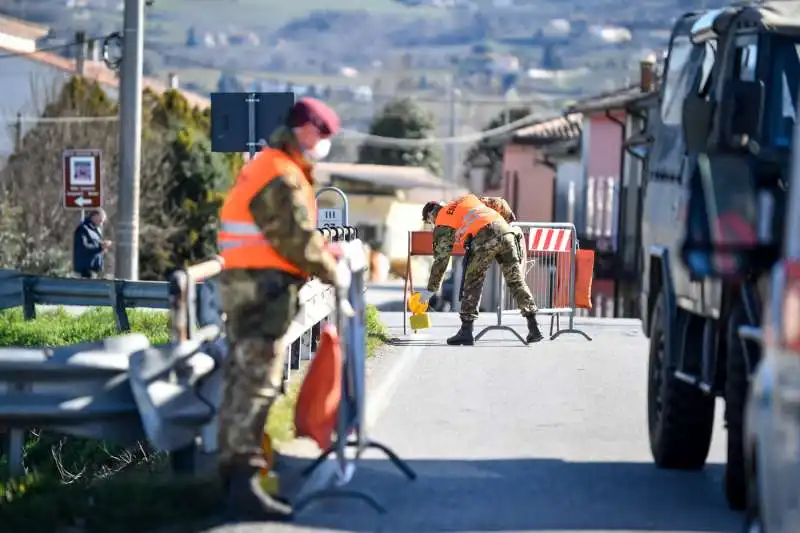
(507, 437)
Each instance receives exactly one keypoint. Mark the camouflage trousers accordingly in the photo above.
(493, 243)
(260, 306)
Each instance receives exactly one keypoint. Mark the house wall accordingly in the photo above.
(527, 184)
(570, 190)
(602, 149)
(27, 85)
(389, 220)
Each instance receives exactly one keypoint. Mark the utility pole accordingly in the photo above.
(451, 167)
(450, 149)
(130, 139)
(80, 56)
(18, 133)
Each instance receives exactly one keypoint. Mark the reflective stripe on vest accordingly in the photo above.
(240, 241)
(466, 215)
(235, 234)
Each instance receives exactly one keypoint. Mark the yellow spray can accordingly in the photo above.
(419, 317)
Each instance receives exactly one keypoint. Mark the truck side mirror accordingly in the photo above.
(744, 108)
(696, 121)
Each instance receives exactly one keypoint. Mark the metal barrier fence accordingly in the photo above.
(549, 252)
(123, 389)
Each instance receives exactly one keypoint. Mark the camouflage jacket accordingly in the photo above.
(444, 239)
(499, 205)
(279, 209)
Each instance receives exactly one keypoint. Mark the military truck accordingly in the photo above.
(711, 225)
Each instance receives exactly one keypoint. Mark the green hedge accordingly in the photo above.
(143, 497)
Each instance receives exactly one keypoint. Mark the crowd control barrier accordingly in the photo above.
(554, 268)
(351, 427)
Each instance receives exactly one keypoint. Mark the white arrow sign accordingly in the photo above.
(81, 201)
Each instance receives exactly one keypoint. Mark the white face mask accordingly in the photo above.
(320, 150)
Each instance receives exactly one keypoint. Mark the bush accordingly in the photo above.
(72, 481)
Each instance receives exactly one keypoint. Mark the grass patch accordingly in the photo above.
(58, 327)
(120, 490)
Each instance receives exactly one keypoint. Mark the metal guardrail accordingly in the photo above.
(124, 389)
(27, 291)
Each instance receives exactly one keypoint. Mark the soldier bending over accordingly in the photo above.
(489, 237)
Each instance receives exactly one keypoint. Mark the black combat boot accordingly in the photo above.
(246, 498)
(534, 335)
(464, 335)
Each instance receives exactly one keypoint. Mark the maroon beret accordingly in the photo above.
(307, 110)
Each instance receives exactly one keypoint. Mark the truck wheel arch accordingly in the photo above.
(659, 279)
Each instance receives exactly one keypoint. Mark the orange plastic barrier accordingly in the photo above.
(584, 273)
(321, 392)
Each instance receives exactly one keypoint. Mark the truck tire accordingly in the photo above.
(680, 416)
(736, 387)
(753, 521)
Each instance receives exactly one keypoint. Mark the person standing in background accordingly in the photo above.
(89, 247)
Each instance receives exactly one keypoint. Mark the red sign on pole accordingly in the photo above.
(83, 184)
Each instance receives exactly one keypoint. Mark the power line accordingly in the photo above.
(391, 142)
(366, 138)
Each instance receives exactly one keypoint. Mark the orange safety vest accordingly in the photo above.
(240, 241)
(466, 215)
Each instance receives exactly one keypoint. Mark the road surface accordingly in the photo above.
(507, 437)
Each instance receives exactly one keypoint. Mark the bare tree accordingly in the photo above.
(32, 181)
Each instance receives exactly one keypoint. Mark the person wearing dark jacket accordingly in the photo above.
(89, 248)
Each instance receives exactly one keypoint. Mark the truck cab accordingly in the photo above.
(712, 221)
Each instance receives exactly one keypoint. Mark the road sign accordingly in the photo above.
(330, 216)
(83, 183)
(239, 119)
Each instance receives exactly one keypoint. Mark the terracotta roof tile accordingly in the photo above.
(21, 28)
(551, 130)
(617, 99)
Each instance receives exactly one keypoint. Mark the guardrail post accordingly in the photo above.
(295, 355)
(316, 331)
(305, 346)
(118, 304)
(16, 446)
(179, 327)
(28, 298)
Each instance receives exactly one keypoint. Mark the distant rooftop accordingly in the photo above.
(550, 130)
(22, 29)
(390, 177)
(93, 70)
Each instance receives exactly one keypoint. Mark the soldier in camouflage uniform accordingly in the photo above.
(270, 246)
(494, 241)
(499, 205)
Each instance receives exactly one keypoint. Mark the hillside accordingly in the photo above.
(548, 51)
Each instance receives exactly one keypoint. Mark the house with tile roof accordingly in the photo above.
(30, 73)
(528, 178)
(614, 124)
